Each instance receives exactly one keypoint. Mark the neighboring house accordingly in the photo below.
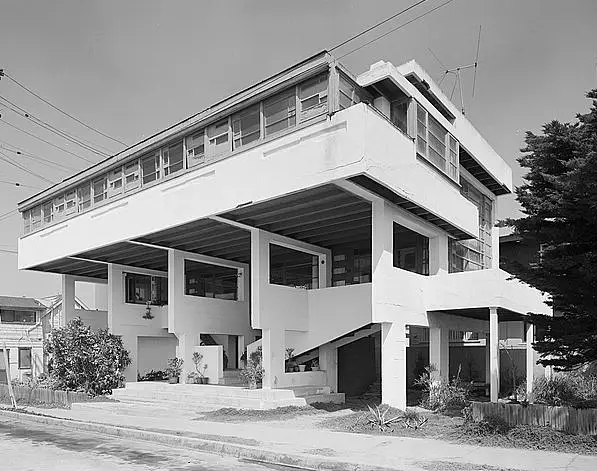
(317, 211)
(21, 334)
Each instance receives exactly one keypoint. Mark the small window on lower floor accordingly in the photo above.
(143, 289)
(411, 250)
(24, 358)
(210, 281)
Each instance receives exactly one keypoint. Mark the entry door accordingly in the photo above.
(3, 369)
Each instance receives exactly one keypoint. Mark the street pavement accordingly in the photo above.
(28, 446)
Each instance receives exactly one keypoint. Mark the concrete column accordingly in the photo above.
(494, 354)
(184, 350)
(530, 357)
(68, 299)
(439, 350)
(130, 343)
(487, 363)
(272, 344)
(328, 362)
(383, 105)
(240, 349)
(393, 364)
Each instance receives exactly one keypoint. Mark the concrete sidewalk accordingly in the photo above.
(301, 442)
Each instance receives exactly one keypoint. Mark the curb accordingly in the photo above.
(255, 454)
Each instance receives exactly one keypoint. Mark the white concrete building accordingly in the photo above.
(315, 210)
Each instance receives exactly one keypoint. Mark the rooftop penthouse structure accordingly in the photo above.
(316, 210)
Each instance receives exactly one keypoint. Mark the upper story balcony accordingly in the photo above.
(305, 127)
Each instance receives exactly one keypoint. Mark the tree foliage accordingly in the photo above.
(559, 200)
(83, 360)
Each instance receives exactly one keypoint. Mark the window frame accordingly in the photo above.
(102, 195)
(115, 176)
(82, 203)
(291, 115)
(20, 365)
(237, 275)
(192, 158)
(136, 174)
(451, 167)
(165, 159)
(239, 138)
(160, 299)
(310, 112)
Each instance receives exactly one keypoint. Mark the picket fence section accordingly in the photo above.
(25, 395)
(565, 419)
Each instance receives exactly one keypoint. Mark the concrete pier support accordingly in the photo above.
(393, 364)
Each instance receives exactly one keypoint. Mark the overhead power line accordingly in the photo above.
(8, 251)
(20, 185)
(16, 82)
(377, 25)
(47, 142)
(59, 132)
(8, 214)
(397, 28)
(42, 160)
(8, 160)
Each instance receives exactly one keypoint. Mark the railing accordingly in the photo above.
(566, 419)
(32, 396)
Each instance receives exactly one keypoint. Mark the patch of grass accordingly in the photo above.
(525, 436)
(451, 466)
(229, 414)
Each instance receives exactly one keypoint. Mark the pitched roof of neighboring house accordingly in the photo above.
(55, 301)
(13, 302)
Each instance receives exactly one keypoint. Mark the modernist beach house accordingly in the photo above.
(331, 214)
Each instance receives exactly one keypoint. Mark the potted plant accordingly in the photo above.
(302, 368)
(290, 363)
(174, 369)
(243, 359)
(225, 359)
(253, 371)
(198, 376)
(315, 365)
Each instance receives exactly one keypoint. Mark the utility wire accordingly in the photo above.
(43, 140)
(65, 135)
(20, 185)
(8, 251)
(377, 25)
(41, 160)
(7, 159)
(12, 79)
(8, 214)
(397, 28)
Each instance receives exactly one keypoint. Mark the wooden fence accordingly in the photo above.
(32, 396)
(566, 419)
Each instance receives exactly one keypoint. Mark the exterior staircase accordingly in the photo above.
(199, 397)
(232, 378)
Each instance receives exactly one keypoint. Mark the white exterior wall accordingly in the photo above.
(353, 141)
(16, 336)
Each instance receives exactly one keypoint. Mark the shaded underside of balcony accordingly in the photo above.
(482, 313)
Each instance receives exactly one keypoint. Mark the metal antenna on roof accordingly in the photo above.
(457, 73)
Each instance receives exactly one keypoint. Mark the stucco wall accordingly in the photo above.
(154, 353)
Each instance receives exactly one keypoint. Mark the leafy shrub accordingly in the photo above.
(379, 418)
(174, 367)
(494, 425)
(83, 360)
(153, 376)
(253, 372)
(440, 395)
(574, 389)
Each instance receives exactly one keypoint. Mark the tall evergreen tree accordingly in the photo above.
(559, 201)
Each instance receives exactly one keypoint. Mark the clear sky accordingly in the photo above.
(131, 68)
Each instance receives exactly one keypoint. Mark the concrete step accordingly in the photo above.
(333, 398)
(232, 373)
(302, 391)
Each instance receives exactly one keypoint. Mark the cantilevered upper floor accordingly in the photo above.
(390, 130)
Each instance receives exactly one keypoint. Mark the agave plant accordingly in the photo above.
(379, 417)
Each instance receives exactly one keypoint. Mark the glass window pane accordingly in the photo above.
(246, 126)
(313, 97)
(115, 183)
(293, 268)
(84, 196)
(24, 358)
(217, 135)
(280, 112)
(172, 158)
(196, 148)
(150, 166)
(100, 190)
(131, 176)
(210, 281)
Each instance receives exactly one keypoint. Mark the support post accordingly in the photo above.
(272, 344)
(530, 357)
(186, 342)
(439, 350)
(494, 354)
(487, 364)
(393, 364)
(328, 362)
(68, 299)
